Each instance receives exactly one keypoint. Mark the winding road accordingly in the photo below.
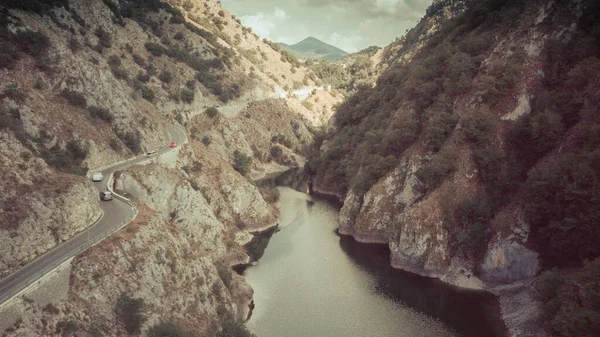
(116, 214)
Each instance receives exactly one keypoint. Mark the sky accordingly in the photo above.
(351, 25)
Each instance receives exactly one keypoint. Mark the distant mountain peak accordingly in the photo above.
(313, 48)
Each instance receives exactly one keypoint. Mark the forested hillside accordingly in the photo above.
(487, 137)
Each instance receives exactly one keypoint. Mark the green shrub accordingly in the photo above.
(191, 84)
(206, 140)
(74, 98)
(116, 67)
(276, 152)
(187, 95)
(143, 77)
(104, 38)
(489, 163)
(212, 112)
(473, 216)
(101, 113)
(570, 303)
(147, 93)
(132, 140)
(478, 127)
(166, 76)
(241, 162)
(438, 169)
(559, 206)
(438, 129)
(33, 43)
(141, 61)
(130, 312)
(69, 160)
(155, 49)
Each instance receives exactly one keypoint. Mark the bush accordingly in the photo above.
(241, 162)
(116, 67)
(571, 304)
(276, 152)
(74, 98)
(438, 169)
(489, 163)
(147, 93)
(141, 61)
(166, 76)
(101, 113)
(191, 84)
(558, 207)
(130, 312)
(132, 140)
(187, 95)
(473, 216)
(439, 128)
(212, 112)
(33, 43)
(69, 160)
(143, 77)
(104, 37)
(478, 127)
(206, 140)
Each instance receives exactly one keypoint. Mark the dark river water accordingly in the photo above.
(313, 283)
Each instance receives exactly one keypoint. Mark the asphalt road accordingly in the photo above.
(115, 212)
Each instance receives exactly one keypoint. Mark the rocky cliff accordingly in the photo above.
(90, 83)
(448, 158)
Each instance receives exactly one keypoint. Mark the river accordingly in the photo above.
(311, 282)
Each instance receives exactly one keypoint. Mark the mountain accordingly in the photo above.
(90, 84)
(312, 48)
(474, 156)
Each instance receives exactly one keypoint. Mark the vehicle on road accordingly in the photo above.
(97, 176)
(150, 153)
(106, 196)
(173, 145)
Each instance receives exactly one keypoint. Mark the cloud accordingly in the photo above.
(348, 24)
(262, 23)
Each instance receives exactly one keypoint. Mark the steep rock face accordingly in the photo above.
(86, 85)
(102, 89)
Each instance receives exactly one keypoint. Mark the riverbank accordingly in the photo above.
(311, 281)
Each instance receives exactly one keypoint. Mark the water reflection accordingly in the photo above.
(306, 286)
(472, 313)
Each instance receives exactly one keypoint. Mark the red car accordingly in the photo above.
(173, 144)
(106, 196)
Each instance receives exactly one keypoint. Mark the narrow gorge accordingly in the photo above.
(463, 157)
